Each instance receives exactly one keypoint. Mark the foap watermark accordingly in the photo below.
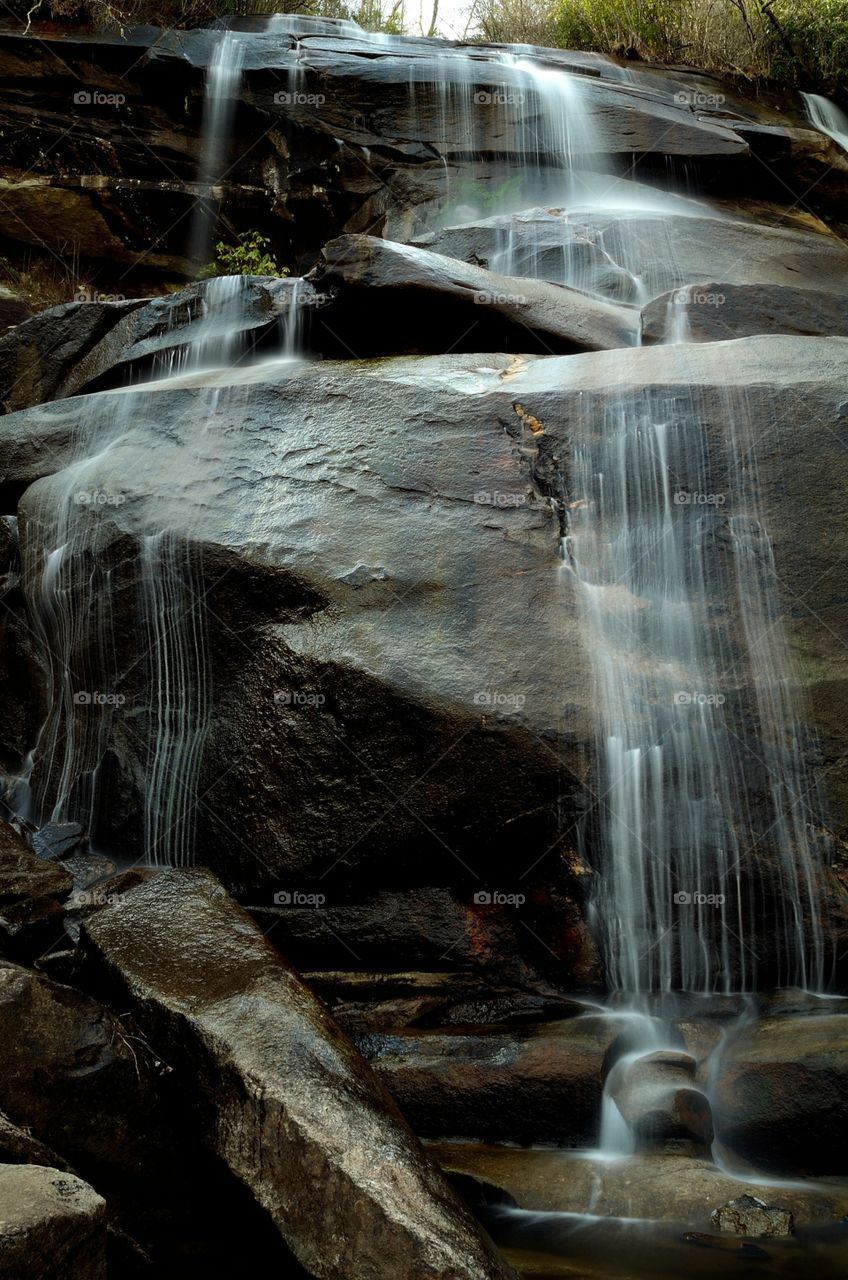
(83, 698)
(299, 698)
(484, 298)
(94, 98)
(698, 98)
(296, 98)
(698, 298)
(83, 294)
(683, 698)
(297, 898)
(98, 498)
(495, 699)
(698, 899)
(694, 498)
(496, 898)
(93, 898)
(498, 98)
(496, 498)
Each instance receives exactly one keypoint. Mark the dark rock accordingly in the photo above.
(18, 1146)
(53, 1225)
(748, 1216)
(32, 894)
(274, 1083)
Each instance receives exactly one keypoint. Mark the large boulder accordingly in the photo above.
(52, 1225)
(368, 541)
(781, 1093)
(278, 1092)
(714, 311)
(388, 298)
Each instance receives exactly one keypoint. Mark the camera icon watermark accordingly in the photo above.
(98, 498)
(495, 898)
(495, 698)
(697, 899)
(697, 98)
(298, 698)
(693, 498)
(295, 898)
(94, 98)
(698, 298)
(294, 98)
(498, 98)
(486, 298)
(495, 498)
(685, 698)
(82, 698)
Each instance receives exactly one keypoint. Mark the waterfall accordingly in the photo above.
(827, 117)
(694, 679)
(223, 80)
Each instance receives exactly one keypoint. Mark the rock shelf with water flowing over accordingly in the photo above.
(423, 729)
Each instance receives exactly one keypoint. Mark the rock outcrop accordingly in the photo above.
(52, 1225)
(32, 894)
(279, 1092)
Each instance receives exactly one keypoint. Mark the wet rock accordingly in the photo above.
(748, 1216)
(57, 839)
(81, 346)
(781, 1093)
(668, 1188)
(541, 1084)
(657, 1097)
(52, 1225)
(585, 251)
(715, 311)
(32, 894)
(389, 299)
(278, 1091)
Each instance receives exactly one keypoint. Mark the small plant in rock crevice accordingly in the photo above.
(249, 256)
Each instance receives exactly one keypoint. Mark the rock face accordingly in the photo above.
(782, 1094)
(714, 311)
(379, 558)
(333, 133)
(748, 1216)
(52, 1225)
(280, 1093)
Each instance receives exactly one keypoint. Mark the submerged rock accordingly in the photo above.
(749, 1216)
(278, 1091)
(52, 1225)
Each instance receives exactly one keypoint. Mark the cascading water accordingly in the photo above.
(827, 117)
(693, 680)
(223, 79)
